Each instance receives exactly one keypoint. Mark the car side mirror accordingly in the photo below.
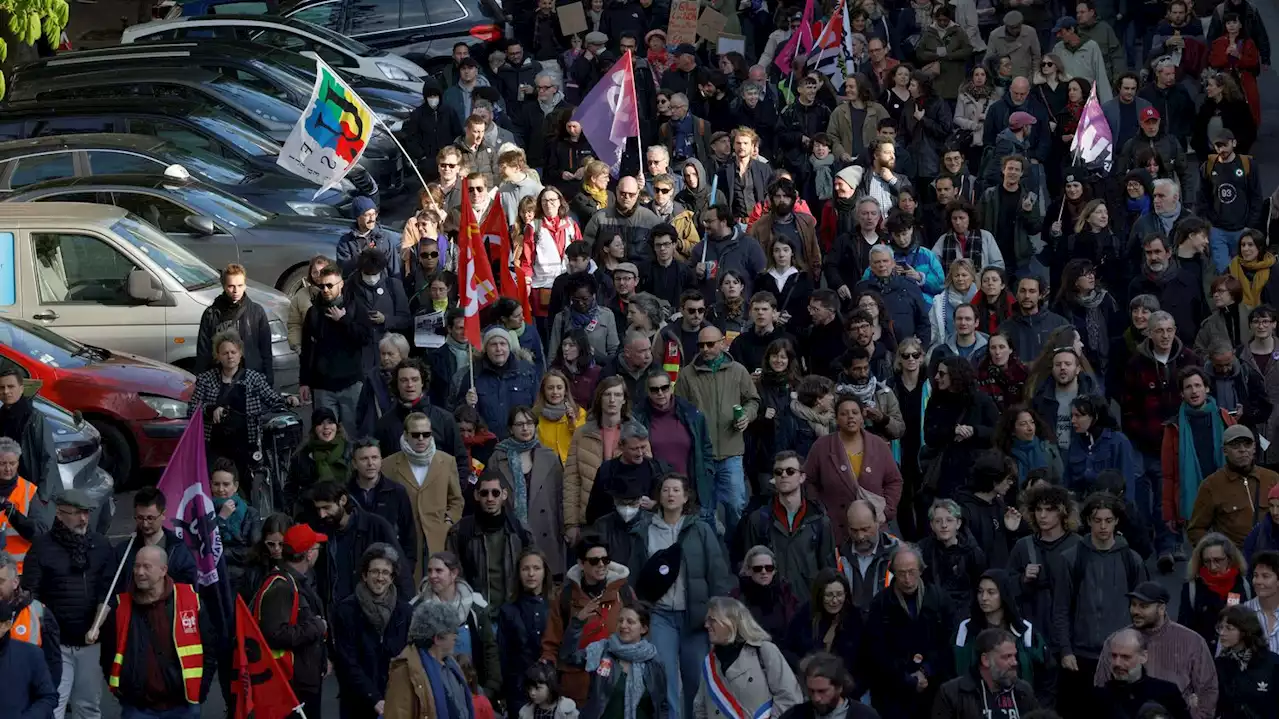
(200, 225)
(142, 288)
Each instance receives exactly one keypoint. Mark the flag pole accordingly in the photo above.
(413, 165)
(102, 611)
(635, 110)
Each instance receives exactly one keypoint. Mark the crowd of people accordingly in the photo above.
(844, 394)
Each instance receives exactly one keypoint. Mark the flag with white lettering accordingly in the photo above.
(478, 289)
(1092, 142)
(608, 113)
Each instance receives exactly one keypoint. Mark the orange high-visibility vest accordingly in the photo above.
(186, 640)
(283, 656)
(26, 626)
(15, 545)
(671, 358)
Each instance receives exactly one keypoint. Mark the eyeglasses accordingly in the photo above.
(447, 165)
(524, 423)
(328, 285)
(660, 388)
(911, 355)
(786, 472)
(380, 573)
(696, 310)
(763, 569)
(429, 254)
(708, 345)
(653, 162)
(596, 561)
(420, 435)
(495, 493)
(546, 87)
(476, 188)
(663, 243)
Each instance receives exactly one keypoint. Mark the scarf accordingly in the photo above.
(554, 412)
(1029, 454)
(865, 393)
(1139, 206)
(1219, 584)
(638, 654)
(461, 351)
(419, 459)
(548, 106)
(821, 422)
(377, 610)
(233, 524)
(1163, 277)
(514, 449)
(14, 418)
(951, 298)
(1189, 476)
(229, 313)
(330, 459)
(955, 248)
(447, 708)
(600, 196)
(977, 92)
(823, 178)
(1167, 219)
(77, 545)
(1253, 277)
(1240, 654)
(1095, 323)
(580, 320)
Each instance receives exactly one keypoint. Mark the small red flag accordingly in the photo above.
(261, 690)
(511, 283)
(473, 269)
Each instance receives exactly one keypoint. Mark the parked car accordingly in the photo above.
(77, 447)
(191, 125)
(106, 277)
(239, 60)
(215, 226)
(289, 33)
(138, 405)
(238, 101)
(26, 162)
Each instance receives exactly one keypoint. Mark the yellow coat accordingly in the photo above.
(559, 434)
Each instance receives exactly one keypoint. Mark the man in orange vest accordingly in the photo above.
(19, 508)
(154, 657)
(27, 689)
(288, 610)
(33, 623)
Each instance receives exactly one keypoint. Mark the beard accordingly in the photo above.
(782, 210)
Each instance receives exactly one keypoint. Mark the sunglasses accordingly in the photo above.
(911, 355)
(763, 569)
(476, 188)
(495, 493)
(546, 87)
(596, 561)
(660, 388)
(447, 165)
(662, 190)
(420, 435)
(429, 254)
(706, 345)
(696, 310)
(328, 285)
(786, 472)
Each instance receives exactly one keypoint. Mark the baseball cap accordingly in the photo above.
(627, 267)
(1064, 23)
(1150, 593)
(77, 498)
(1224, 135)
(1013, 18)
(1019, 120)
(1235, 433)
(1149, 113)
(301, 537)
(686, 49)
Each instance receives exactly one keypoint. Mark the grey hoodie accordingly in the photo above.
(1099, 606)
(512, 192)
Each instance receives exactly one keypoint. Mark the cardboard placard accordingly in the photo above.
(682, 27)
(731, 43)
(711, 24)
(573, 19)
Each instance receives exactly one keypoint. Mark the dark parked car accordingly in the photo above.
(213, 225)
(26, 162)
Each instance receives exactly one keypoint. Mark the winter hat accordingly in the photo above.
(361, 205)
(322, 415)
(496, 332)
(852, 175)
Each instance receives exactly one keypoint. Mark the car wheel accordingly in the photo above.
(117, 452)
(294, 280)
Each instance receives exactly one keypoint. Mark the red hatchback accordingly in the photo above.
(137, 404)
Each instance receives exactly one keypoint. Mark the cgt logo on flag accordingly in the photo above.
(331, 133)
(189, 622)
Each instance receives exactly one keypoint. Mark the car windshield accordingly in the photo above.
(223, 170)
(246, 139)
(259, 104)
(354, 47)
(43, 345)
(223, 208)
(189, 271)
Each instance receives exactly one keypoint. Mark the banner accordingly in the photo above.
(801, 42)
(682, 24)
(833, 52)
(185, 485)
(473, 269)
(608, 113)
(512, 282)
(261, 690)
(1092, 142)
(331, 134)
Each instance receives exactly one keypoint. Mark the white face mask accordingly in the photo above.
(433, 102)
(370, 280)
(627, 512)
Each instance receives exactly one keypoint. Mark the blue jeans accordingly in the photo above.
(1152, 480)
(191, 711)
(730, 490)
(1222, 247)
(681, 655)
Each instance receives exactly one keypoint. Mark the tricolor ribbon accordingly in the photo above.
(724, 700)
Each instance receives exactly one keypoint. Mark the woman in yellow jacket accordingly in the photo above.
(558, 415)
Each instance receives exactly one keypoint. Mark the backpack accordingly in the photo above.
(1246, 162)
(1131, 568)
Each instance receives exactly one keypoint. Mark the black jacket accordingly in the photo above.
(443, 429)
(985, 522)
(361, 656)
(253, 327)
(967, 697)
(945, 411)
(338, 569)
(467, 540)
(133, 672)
(304, 474)
(426, 131)
(72, 595)
(1182, 296)
(1121, 700)
(856, 710)
(807, 634)
(331, 349)
(748, 348)
(821, 347)
(616, 477)
(444, 365)
(1247, 692)
(304, 637)
(182, 566)
(389, 500)
(387, 297)
(536, 132)
(954, 570)
(1199, 606)
(38, 463)
(520, 627)
(894, 640)
(625, 547)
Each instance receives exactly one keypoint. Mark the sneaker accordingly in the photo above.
(1165, 563)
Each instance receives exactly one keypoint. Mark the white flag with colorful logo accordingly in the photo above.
(331, 134)
(833, 52)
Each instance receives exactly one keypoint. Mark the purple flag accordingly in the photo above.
(608, 113)
(185, 484)
(1092, 142)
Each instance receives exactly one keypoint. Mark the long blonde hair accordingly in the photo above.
(735, 615)
(571, 407)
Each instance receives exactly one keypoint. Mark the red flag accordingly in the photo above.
(510, 283)
(261, 689)
(801, 42)
(477, 278)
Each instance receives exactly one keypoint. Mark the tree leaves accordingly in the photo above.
(31, 19)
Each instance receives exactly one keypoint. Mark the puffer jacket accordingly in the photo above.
(500, 389)
(72, 596)
(564, 636)
(704, 568)
(803, 546)
(633, 228)
(586, 454)
(903, 300)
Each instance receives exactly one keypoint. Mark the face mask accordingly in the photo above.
(627, 513)
(433, 102)
(370, 280)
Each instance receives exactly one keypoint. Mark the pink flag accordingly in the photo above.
(801, 42)
(608, 113)
(1092, 143)
(185, 484)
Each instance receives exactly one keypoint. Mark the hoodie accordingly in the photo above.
(954, 569)
(1046, 600)
(1099, 580)
(512, 192)
(1030, 641)
(985, 521)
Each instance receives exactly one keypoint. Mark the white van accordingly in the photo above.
(107, 278)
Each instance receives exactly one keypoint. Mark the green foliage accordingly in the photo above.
(29, 20)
